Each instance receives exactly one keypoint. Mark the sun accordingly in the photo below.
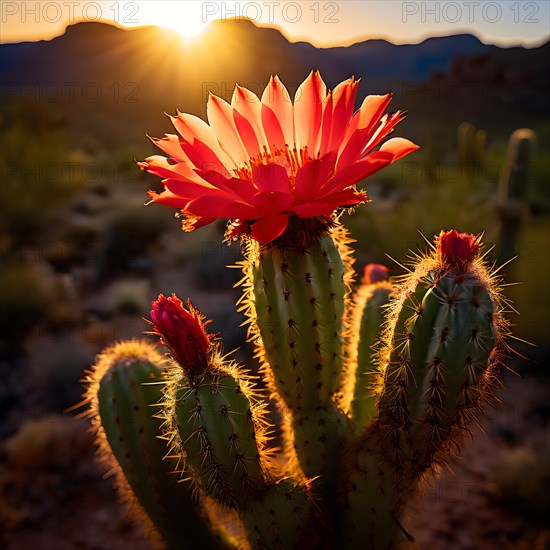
(186, 18)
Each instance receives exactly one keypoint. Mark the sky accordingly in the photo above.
(323, 23)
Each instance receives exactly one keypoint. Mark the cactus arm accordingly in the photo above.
(214, 422)
(443, 342)
(125, 387)
(370, 303)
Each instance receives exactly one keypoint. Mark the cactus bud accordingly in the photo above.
(375, 273)
(456, 249)
(183, 331)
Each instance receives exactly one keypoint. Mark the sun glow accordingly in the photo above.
(186, 18)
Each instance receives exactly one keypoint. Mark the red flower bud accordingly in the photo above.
(456, 249)
(182, 330)
(375, 273)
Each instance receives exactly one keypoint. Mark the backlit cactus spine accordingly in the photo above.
(376, 388)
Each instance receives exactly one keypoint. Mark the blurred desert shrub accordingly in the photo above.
(522, 481)
(39, 176)
(24, 300)
(56, 367)
(52, 442)
(45, 459)
(130, 297)
(132, 232)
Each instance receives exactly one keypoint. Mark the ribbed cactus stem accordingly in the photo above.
(440, 355)
(480, 145)
(215, 422)
(370, 304)
(280, 519)
(517, 173)
(124, 389)
(514, 188)
(466, 145)
(294, 296)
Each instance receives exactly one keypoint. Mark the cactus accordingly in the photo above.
(374, 386)
(471, 145)
(466, 142)
(123, 391)
(389, 381)
(515, 181)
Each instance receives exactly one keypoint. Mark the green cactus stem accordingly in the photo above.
(514, 189)
(123, 390)
(466, 145)
(370, 304)
(294, 296)
(441, 352)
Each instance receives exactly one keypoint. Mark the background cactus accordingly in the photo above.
(514, 188)
(471, 147)
(376, 388)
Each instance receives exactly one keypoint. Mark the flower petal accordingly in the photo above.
(247, 104)
(343, 105)
(326, 207)
(187, 190)
(272, 127)
(220, 117)
(271, 177)
(171, 145)
(220, 207)
(312, 175)
(203, 157)
(167, 198)
(357, 171)
(247, 133)
(388, 122)
(272, 202)
(241, 189)
(169, 168)
(277, 98)
(268, 229)
(399, 147)
(192, 128)
(326, 124)
(308, 112)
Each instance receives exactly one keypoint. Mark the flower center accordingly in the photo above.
(290, 159)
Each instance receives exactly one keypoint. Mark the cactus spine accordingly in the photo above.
(405, 368)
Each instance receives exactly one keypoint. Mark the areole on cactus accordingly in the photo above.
(374, 382)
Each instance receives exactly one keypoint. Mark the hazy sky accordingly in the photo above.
(503, 22)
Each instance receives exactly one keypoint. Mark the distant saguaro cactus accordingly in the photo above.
(471, 146)
(514, 186)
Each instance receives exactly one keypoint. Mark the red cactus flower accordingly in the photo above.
(375, 273)
(258, 162)
(456, 249)
(182, 330)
